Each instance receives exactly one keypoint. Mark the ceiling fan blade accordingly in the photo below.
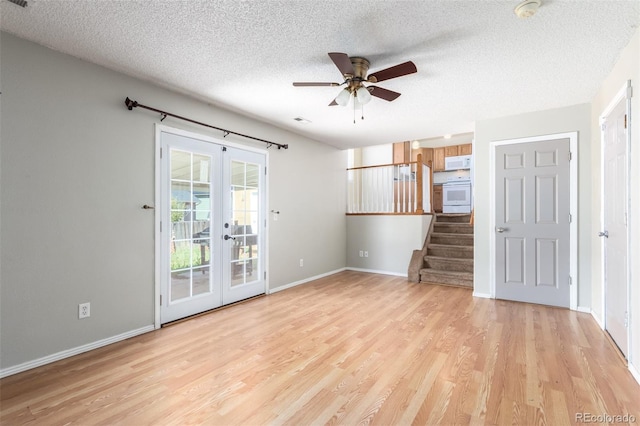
(333, 103)
(343, 62)
(312, 84)
(393, 72)
(379, 92)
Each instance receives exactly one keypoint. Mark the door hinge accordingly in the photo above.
(570, 156)
(160, 152)
(625, 121)
(570, 218)
(160, 226)
(160, 300)
(265, 275)
(603, 127)
(265, 171)
(570, 280)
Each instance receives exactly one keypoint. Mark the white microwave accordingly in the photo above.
(457, 163)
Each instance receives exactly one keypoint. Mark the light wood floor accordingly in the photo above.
(347, 349)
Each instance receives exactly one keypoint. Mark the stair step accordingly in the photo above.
(453, 218)
(434, 276)
(449, 264)
(448, 250)
(452, 239)
(453, 228)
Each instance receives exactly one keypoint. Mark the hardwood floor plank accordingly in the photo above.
(346, 349)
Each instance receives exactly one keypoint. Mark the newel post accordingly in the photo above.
(419, 192)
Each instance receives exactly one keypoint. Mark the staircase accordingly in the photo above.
(449, 258)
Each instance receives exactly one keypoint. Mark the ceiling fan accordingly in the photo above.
(354, 70)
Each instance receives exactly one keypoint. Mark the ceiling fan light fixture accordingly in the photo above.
(363, 96)
(527, 8)
(343, 97)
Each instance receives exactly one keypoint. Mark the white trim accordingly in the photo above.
(623, 94)
(584, 309)
(375, 271)
(304, 281)
(634, 372)
(482, 295)
(73, 351)
(573, 208)
(598, 320)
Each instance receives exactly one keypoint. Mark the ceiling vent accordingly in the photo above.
(527, 8)
(21, 3)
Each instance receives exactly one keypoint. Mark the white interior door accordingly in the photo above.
(212, 201)
(532, 222)
(614, 199)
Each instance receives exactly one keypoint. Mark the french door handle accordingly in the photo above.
(603, 234)
(229, 237)
(500, 230)
(148, 207)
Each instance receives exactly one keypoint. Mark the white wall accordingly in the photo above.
(562, 120)
(388, 239)
(627, 68)
(77, 166)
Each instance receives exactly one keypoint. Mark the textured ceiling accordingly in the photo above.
(475, 58)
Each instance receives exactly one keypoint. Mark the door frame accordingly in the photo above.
(573, 208)
(623, 94)
(159, 129)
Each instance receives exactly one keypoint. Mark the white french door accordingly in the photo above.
(211, 242)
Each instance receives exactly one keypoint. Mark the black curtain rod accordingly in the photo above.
(133, 104)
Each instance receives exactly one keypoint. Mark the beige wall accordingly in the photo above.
(77, 166)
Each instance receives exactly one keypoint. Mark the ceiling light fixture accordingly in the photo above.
(527, 8)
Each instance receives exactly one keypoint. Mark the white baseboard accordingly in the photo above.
(482, 295)
(598, 320)
(73, 351)
(306, 280)
(634, 372)
(584, 310)
(375, 271)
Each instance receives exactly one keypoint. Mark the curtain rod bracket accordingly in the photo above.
(131, 104)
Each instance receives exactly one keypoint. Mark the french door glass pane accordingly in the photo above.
(244, 214)
(190, 225)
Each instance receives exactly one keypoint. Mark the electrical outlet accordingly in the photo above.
(366, 254)
(301, 263)
(361, 253)
(84, 310)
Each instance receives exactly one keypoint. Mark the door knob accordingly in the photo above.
(229, 237)
(603, 234)
(500, 230)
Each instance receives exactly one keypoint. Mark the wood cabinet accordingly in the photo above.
(401, 152)
(464, 149)
(436, 203)
(438, 159)
(427, 154)
(451, 151)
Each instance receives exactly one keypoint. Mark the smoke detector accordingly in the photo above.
(527, 8)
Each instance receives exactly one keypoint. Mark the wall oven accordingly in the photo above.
(456, 195)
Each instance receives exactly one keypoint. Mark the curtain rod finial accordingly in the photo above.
(130, 104)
